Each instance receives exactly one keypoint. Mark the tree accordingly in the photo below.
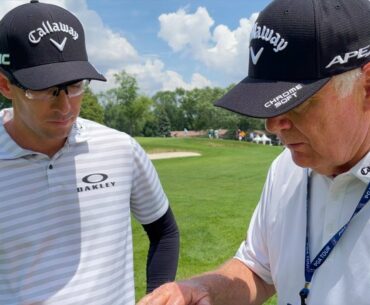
(127, 90)
(137, 114)
(125, 110)
(90, 107)
(208, 116)
(164, 125)
(247, 123)
(151, 128)
(194, 109)
(170, 102)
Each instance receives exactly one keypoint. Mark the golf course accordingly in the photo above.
(212, 196)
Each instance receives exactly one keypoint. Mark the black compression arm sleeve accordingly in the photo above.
(163, 252)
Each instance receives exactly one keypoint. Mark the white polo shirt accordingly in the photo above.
(275, 244)
(65, 227)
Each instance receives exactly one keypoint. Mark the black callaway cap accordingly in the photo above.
(296, 46)
(43, 45)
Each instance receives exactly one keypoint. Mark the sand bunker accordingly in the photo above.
(174, 154)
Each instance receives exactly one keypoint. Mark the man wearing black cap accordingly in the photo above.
(69, 185)
(309, 237)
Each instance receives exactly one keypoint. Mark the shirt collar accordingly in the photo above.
(9, 149)
(359, 171)
(362, 169)
(79, 132)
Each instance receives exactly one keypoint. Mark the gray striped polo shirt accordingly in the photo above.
(65, 227)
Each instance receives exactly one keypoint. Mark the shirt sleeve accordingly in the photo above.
(148, 200)
(254, 251)
(163, 251)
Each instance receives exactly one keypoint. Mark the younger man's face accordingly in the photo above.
(42, 119)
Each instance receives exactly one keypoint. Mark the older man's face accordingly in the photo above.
(326, 133)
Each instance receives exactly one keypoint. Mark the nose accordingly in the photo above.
(278, 123)
(62, 103)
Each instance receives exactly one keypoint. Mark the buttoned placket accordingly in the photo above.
(51, 167)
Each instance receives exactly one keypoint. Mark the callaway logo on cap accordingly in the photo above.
(43, 45)
(295, 48)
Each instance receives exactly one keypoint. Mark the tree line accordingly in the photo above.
(125, 109)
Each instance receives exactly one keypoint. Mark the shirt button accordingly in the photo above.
(51, 166)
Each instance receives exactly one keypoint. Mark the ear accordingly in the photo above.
(5, 87)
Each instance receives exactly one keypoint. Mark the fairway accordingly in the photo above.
(212, 196)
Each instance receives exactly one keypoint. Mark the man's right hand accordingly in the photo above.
(177, 293)
(232, 284)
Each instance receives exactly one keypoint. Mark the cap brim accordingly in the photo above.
(267, 98)
(45, 76)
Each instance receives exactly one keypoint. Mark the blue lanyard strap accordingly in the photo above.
(310, 267)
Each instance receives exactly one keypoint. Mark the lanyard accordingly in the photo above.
(310, 267)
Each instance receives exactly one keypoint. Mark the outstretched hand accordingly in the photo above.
(177, 293)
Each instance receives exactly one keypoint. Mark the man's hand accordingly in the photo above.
(177, 293)
(231, 284)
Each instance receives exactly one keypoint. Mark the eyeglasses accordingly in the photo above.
(71, 89)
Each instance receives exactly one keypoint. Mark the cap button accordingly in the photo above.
(34, 1)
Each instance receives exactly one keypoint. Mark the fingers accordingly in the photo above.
(161, 296)
(154, 299)
(176, 294)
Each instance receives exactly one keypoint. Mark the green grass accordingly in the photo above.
(212, 196)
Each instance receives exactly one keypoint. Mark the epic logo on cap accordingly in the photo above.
(361, 53)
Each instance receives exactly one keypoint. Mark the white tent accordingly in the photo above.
(262, 139)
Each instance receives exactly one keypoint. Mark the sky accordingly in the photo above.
(165, 44)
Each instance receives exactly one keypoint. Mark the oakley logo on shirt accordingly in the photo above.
(95, 182)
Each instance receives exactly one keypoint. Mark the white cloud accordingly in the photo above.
(111, 53)
(222, 50)
(152, 77)
(181, 29)
(105, 47)
(175, 80)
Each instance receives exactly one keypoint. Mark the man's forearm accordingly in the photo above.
(234, 284)
(163, 251)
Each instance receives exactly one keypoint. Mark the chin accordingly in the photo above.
(302, 160)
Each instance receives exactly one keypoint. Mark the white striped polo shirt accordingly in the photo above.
(65, 227)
